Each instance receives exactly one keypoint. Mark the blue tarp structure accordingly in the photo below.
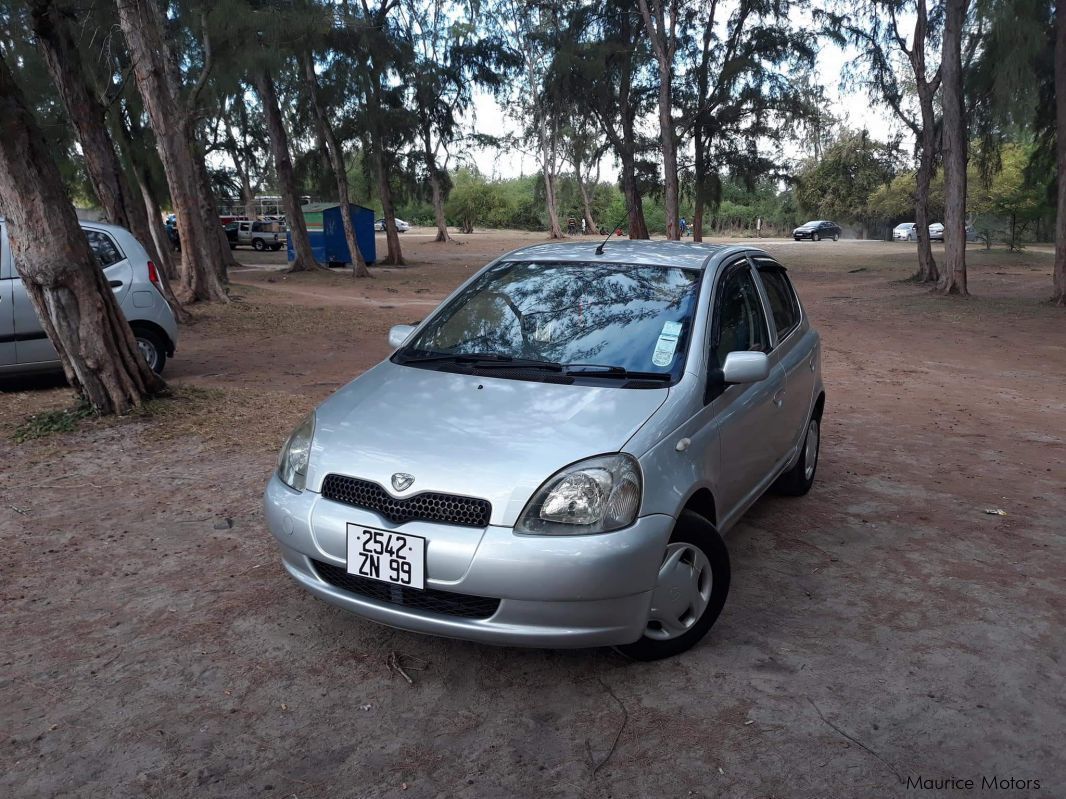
(325, 228)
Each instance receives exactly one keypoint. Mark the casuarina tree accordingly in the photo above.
(63, 279)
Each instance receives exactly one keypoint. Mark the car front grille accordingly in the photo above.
(428, 600)
(426, 507)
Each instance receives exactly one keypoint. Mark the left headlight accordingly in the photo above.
(592, 496)
(295, 455)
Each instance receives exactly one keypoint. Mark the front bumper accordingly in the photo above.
(554, 591)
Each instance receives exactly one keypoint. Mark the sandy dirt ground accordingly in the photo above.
(883, 627)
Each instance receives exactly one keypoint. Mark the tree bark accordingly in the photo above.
(437, 194)
(927, 268)
(202, 257)
(1059, 297)
(336, 159)
(663, 45)
(954, 145)
(279, 142)
(62, 277)
(638, 228)
(388, 208)
(54, 28)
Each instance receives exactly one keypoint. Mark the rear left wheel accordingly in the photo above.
(690, 591)
(798, 480)
(258, 244)
(151, 347)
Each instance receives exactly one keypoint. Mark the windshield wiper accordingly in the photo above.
(493, 360)
(606, 370)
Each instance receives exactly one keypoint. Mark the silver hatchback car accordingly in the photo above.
(24, 346)
(552, 456)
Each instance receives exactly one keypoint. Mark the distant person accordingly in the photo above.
(584, 227)
(683, 225)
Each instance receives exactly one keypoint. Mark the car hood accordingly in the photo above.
(492, 438)
(806, 227)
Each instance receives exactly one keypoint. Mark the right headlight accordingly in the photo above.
(592, 496)
(296, 454)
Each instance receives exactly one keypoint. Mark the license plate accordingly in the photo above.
(397, 558)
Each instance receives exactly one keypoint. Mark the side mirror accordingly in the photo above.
(398, 334)
(745, 367)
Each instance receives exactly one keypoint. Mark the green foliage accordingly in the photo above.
(49, 423)
(1007, 203)
(839, 186)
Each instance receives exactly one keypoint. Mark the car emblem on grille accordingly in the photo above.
(401, 481)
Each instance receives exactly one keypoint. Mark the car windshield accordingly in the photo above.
(588, 318)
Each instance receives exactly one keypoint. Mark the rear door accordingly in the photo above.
(7, 316)
(794, 350)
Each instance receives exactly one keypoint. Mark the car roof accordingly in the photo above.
(86, 223)
(688, 255)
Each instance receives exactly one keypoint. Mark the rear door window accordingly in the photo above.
(104, 247)
(783, 304)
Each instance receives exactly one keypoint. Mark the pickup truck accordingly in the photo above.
(260, 235)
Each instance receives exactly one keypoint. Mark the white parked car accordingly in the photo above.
(401, 226)
(905, 231)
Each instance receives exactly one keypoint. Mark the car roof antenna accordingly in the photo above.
(599, 250)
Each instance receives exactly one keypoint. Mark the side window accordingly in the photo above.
(257, 226)
(105, 249)
(741, 322)
(783, 303)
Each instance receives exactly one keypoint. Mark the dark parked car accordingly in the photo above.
(817, 230)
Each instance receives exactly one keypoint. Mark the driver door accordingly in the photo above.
(749, 415)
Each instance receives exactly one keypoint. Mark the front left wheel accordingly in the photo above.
(690, 591)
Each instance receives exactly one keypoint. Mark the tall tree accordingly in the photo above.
(336, 159)
(62, 277)
(173, 118)
(1059, 297)
(279, 143)
(749, 94)
(598, 60)
(875, 28)
(452, 57)
(529, 29)
(54, 25)
(955, 150)
(666, 22)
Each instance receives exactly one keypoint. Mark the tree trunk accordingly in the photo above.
(586, 205)
(54, 30)
(388, 209)
(438, 205)
(698, 150)
(638, 228)
(547, 159)
(660, 31)
(669, 148)
(336, 161)
(279, 142)
(62, 277)
(212, 221)
(954, 280)
(927, 268)
(174, 127)
(1059, 297)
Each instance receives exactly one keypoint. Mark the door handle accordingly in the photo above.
(811, 364)
(779, 398)
(115, 284)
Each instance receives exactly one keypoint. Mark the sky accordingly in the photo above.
(490, 118)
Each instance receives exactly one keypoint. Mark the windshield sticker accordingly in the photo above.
(667, 343)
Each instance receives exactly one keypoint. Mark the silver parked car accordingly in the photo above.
(905, 231)
(552, 456)
(25, 347)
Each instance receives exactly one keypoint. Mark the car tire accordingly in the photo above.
(816, 237)
(836, 237)
(152, 348)
(798, 480)
(694, 544)
(258, 245)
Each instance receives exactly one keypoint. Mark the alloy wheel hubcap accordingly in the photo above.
(810, 451)
(682, 592)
